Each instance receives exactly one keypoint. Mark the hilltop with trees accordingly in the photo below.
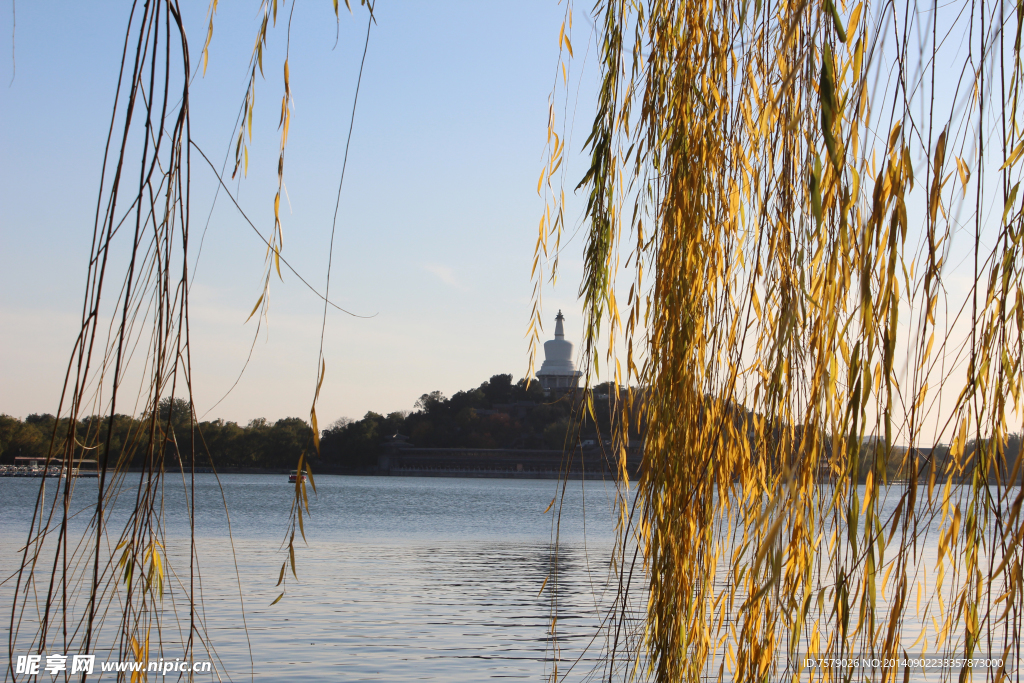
(499, 413)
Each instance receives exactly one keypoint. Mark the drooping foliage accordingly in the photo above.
(814, 206)
(132, 357)
(817, 207)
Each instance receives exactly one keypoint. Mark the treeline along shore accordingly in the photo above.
(498, 415)
(499, 426)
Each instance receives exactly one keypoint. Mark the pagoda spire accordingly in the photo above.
(558, 373)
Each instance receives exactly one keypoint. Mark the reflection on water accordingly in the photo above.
(402, 579)
(411, 611)
(411, 579)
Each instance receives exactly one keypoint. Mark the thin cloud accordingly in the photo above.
(443, 273)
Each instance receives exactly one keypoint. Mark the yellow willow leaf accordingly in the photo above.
(908, 167)
(1014, 155)
(136, 648)
(854, 19)
(858, 59)
(921, 396)
(276, 600)
(256, 307)
(895, 134)
(957, 447)
(769, 536)
(1009, 202)
(921, 634)
(316, 429)
(543, 585)
(1007, 557)
(555, 168)
(1001, 671)
(312, 481)
(885, 578)
(323, 372)
(867, 492)
(312, 411)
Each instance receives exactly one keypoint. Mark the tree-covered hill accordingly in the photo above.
(499, 413)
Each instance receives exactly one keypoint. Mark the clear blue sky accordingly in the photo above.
(438, 215)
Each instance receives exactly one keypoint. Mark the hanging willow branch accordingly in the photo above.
(822, 332)
(146, 342)
(104, 592)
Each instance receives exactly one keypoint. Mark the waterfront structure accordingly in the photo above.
(40, 466)
(558, 374)
(401, 459)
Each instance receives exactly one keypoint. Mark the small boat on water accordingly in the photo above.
(295, 476)
(32, 466)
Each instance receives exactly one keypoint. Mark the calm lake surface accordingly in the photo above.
(403, 579)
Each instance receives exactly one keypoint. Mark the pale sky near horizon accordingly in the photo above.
(438, 214)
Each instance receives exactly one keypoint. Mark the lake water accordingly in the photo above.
(403, 579)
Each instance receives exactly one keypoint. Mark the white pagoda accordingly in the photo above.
(558, 374)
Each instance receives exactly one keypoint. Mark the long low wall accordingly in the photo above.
(502, 463)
